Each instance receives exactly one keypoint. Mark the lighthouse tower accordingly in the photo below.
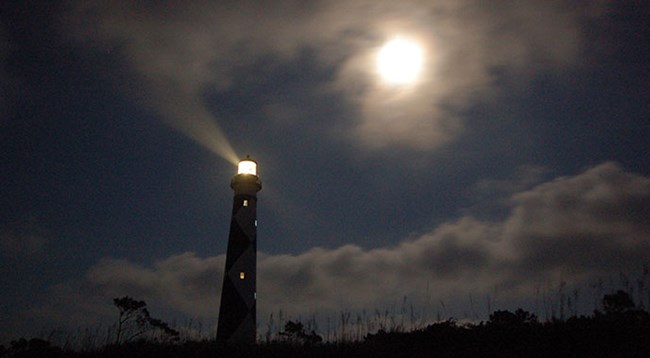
(237, 311)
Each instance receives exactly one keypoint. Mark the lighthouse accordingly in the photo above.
(237, 313)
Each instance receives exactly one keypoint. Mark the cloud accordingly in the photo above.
(180, 285)
(574, 229)
(184, 282)
(21, 241)
(181, 50)
(593, 223)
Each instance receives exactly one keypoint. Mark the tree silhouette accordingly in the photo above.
(134, 320)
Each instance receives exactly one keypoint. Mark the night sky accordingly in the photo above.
(516, 165)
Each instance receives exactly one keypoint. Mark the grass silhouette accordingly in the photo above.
(619, 328)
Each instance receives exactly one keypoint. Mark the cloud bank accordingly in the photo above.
(180, 50)
(574, 230)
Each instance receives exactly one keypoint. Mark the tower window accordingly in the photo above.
(242, 275)
(245, 202)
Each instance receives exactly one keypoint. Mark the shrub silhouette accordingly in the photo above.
(618, 303)
(517, 319)
(34, 347)
(294, 332)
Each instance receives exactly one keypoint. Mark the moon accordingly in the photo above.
(399, 61)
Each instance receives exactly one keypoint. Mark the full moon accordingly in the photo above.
(400, 61)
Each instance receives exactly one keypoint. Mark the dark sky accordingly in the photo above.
(518, 159)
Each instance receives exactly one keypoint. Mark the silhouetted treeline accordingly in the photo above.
(618, 329)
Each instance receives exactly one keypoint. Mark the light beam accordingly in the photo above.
(185, 113)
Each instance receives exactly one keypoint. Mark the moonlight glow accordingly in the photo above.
(400, 61)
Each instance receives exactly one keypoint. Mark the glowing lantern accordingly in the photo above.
(247, 166)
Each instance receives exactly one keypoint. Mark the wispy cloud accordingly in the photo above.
(472, 48)
(573, 229)
(23, 240)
